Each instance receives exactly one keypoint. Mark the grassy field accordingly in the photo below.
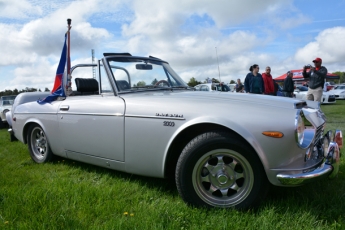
(70, 195)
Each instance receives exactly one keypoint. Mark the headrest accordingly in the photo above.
(123, 85)
(86, 84)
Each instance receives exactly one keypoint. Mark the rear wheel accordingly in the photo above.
(216, 169)
(38, 144)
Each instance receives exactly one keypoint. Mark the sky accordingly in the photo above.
(199, 38)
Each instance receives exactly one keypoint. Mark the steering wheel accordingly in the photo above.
(162, 81)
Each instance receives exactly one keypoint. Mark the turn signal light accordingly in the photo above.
(274, 134)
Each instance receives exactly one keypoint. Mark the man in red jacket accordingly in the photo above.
(268, 82)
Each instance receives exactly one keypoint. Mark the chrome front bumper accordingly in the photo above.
(330, 166)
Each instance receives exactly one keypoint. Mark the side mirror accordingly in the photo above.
(143, 66)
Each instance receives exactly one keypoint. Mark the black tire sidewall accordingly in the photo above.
(205, 143)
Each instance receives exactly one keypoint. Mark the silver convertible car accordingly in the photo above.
(135, 114)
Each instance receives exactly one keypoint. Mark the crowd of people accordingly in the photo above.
(257, 83)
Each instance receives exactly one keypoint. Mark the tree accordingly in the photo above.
(232, 82)
(154, 81)
(214, 80)
(140, 84)
(341, 76)
(193, 82)
(46, 90)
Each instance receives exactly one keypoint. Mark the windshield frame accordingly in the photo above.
(111, 62)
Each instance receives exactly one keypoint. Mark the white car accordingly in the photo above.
(5, 106)
(301, 93)
(338, 91)
(212, 87)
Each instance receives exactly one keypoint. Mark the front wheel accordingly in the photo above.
(216, 169)
(38, 144)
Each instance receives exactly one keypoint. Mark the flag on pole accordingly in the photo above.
(59, 89)
(62, 84)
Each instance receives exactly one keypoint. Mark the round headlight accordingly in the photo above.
(304, 136)
(300, 130)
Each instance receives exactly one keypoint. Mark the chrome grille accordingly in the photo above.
(318, 134)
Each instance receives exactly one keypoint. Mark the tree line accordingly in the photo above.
(8, 92)
(192, 82)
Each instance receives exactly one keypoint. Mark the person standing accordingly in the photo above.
(239, 86)
(254, 82)
(268, 82)
(316, 76)
(288, 86)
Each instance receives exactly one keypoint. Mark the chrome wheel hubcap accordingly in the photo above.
(223, 178)
(39, 143)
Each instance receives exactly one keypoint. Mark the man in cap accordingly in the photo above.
(288, 86)
(316, 76)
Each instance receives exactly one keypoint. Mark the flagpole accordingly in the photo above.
(69, 77)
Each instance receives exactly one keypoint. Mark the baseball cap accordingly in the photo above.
(317, 60)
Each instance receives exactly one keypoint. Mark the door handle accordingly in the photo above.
(64, 107)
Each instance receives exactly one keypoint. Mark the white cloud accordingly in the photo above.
(18, 9)
(327, 45)
(184, 33)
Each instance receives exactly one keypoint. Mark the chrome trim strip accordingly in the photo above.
(87, 114)
(94, 114)
(155, 117)
(54, 113)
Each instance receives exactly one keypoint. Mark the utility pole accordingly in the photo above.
(93, 62)
(220, 80)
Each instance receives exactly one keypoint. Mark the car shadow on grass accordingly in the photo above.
(167, 185)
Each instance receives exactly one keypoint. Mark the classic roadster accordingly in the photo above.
(135, 114)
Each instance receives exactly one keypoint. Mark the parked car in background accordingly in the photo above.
(338, 91)
(212, 87)
(232, 87)
(301, 93)
(329, 86)
(222, 149)
(5, 106)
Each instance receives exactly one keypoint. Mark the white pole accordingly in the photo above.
(218, 65)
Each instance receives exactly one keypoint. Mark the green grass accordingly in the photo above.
(66, 194)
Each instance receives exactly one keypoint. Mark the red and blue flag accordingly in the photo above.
(60, 78)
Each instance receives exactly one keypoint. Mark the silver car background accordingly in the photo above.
(5, 107)
(136, 115)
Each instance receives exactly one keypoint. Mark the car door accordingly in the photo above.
(93, 125)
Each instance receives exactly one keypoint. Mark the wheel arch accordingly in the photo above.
(26, 129)
(186, 135)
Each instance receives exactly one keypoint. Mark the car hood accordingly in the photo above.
(205, 98)
(336, 90)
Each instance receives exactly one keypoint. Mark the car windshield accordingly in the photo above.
(4, 98)
(133, 74)
(223, 88)
(7, 102)
(340, 87)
